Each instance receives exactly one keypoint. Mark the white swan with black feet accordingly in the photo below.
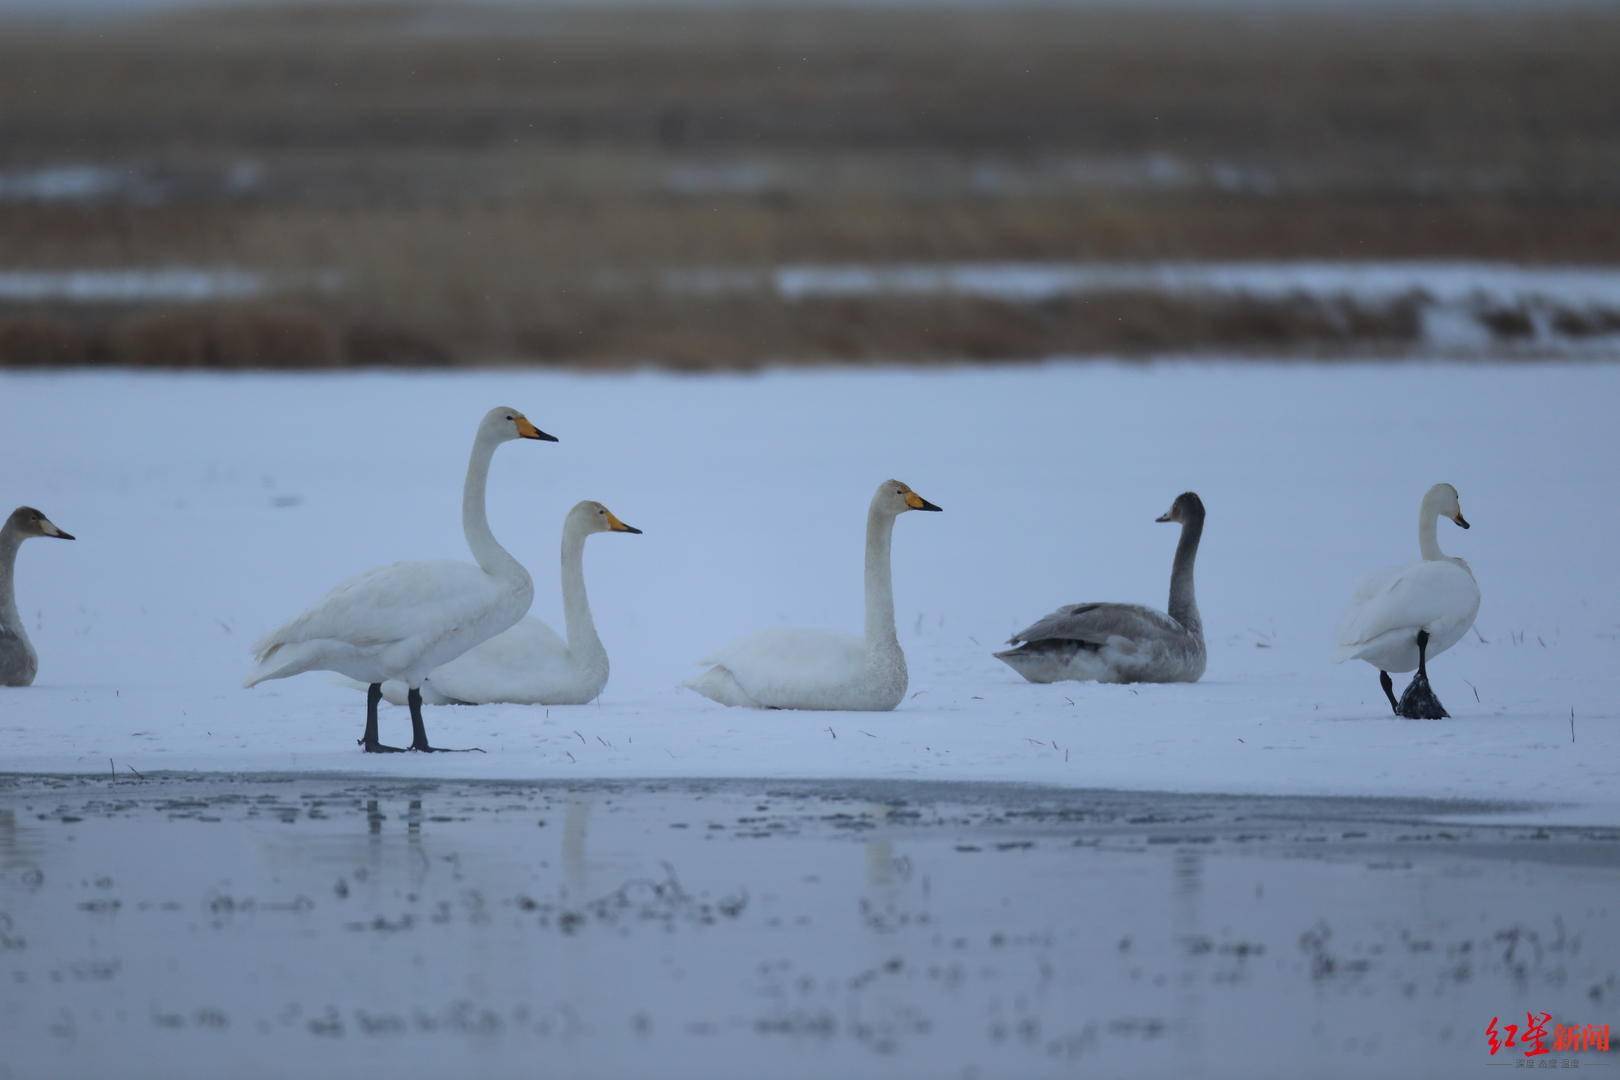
(529, 664)
(1400, 619)
(19, 663)
(1123, 643)
(400, 622)
(790, 668)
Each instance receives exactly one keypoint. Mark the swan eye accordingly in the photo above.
(509, 416)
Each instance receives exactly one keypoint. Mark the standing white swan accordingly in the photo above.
(402, 621)
(1399, 618)
(787, 668)
(529, 664)
(1123, 643)
(18, 661)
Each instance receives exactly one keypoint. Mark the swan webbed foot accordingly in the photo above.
(1389, 691)
(419, 739)
(1419, 702)
(372, 746)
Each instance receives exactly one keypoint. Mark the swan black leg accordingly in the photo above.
(419, 739)
(369, 739)
(1419, 702)
(1389, 691)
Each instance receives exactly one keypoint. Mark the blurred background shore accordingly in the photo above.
(728, 186)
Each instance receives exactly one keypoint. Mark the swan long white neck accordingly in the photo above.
(1183, 600)
(583, 643)
(880, 632)
(1428, 542)
(10, 620)
(494, 559)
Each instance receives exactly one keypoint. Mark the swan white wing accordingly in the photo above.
(1097, 624)
(1422, 595)
(392, 603)
(518, 664)
(789, 662)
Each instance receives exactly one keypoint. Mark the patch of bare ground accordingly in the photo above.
(470, 176)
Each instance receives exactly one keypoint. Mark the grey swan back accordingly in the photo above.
(1123, 643)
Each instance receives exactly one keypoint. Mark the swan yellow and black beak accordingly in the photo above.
(527, 430)
(615, 525)
(1461, 521)
(48, 527)
(917, 502)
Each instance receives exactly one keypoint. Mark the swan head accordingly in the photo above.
(593, 517)
(1188, 507)
(1442, 499)
(894, 497)
(30, 522)
(504, 423)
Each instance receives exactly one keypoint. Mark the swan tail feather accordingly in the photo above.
(719, 684)
(278, 662)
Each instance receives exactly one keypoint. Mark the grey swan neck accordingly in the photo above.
(1183, 600)
(495, 560)
(880, 632)
(583, 643)
(10, 621)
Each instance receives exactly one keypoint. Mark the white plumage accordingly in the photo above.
(790, 668)
(530, 664)
(397, 621)
(402, 621)
(1391, 606)
(1400, 619)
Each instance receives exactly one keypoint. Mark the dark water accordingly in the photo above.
(214, 926)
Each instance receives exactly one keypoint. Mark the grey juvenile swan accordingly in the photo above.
(1123, 643)
(18, 661)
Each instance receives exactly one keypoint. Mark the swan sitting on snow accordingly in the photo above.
(787, 668)
(402, 621)
(18, 661)
(1123, 643)
(1399, 618)
(529, 664)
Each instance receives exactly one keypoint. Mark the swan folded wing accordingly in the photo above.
(390, 604)
(1098, 624)
(1411, 598)
(792, 660)
(516, 665)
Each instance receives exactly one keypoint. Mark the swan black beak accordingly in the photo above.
(1164, 517)
(541, 435)
(1461, 521)
(60, 535)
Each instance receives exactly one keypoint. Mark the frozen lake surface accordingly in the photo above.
(325, 926)
(210, 509)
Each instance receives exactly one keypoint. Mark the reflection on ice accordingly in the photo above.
(715, 929)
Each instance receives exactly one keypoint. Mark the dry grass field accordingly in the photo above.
(466, 184)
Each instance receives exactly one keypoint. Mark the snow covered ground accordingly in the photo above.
(209, 508)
